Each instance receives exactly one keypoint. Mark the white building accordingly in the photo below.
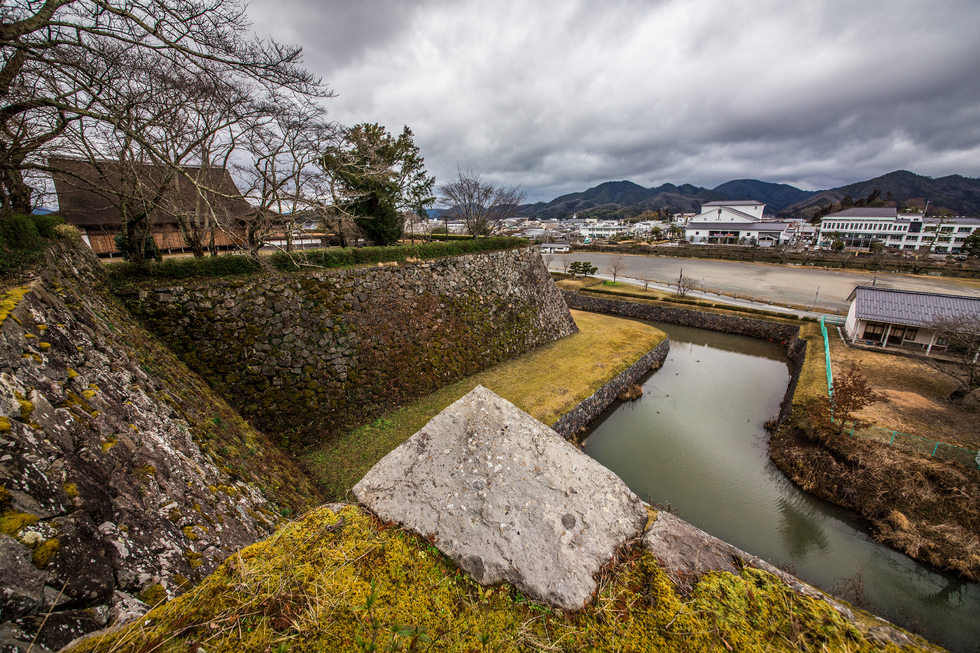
(863, 226)
(604, 229)
(735, 222)
(731, 211)
(556, 248)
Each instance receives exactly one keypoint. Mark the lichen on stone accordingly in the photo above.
(42, 554)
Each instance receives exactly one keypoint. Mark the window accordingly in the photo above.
(911, 333)
(873, 331)
(963, 230)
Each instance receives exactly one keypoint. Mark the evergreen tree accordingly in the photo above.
(376, 177)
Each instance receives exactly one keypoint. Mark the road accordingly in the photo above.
(781, 283)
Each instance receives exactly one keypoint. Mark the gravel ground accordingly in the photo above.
(781, 283)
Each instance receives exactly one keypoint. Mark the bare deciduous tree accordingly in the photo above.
(565, 260)
(482, 207)
(851, 393)
(685, 284)
(961, 359)
(617, 266)
(284, 181)
(60, 59)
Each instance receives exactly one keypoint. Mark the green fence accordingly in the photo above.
(931, 448)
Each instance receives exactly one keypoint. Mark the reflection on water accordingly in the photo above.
(800, 531)
(695, 441)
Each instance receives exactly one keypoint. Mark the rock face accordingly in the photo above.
(107, 488)
(507, 499)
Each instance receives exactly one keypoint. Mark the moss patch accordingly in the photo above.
(13, 522)
(153, 595)
(333, 582)
(9, 302)
(42, 554)
(546, 383)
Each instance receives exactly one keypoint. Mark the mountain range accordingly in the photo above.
(624, 199)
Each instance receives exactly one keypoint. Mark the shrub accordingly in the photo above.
(23, 240)
(47, 224)
(19, 232)
(68, 232)
(227, 265)
(187, 268)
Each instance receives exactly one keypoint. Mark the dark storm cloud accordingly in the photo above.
(558, 95)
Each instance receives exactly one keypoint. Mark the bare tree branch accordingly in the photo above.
(482, 207)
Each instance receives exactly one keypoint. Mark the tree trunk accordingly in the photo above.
(17, 193)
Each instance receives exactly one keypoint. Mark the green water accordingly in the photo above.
(695, 441)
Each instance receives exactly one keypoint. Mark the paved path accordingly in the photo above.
(787, 284)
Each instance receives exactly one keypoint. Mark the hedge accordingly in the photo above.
(338, 257)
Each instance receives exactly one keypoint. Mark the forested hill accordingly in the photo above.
(624, 199)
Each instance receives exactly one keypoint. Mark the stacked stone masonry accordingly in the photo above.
(303, 355)
(105, 493)
(569, 424)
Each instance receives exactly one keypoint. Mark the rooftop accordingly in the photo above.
(909, 307)
(734, 203)
(865, 212)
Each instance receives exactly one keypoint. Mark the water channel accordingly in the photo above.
(695, 441)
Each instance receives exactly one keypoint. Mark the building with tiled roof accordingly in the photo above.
(888, 317)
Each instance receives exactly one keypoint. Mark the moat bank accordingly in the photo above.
(695, 441)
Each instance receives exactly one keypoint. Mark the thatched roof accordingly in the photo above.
(90, 192)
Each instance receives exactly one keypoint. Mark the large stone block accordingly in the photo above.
(507, 499)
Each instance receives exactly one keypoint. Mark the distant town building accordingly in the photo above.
(735, 222)
(863, 226)
(556, 248)
(604, 230)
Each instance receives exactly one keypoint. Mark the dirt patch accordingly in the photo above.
(916, 396)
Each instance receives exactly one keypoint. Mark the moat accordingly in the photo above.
(695, 441)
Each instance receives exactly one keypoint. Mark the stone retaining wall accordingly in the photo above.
(305, 355)
(785, 334)
(119, 475)
(572, 422)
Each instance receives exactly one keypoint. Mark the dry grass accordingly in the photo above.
(546, 383)
(575, 283)
(915, 396)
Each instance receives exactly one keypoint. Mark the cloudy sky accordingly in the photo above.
(559, 95)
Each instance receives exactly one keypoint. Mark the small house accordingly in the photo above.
(888, 317)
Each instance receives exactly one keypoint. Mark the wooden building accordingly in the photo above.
(90, 194)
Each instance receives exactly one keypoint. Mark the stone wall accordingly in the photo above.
(785, 334)
(572, 422)
(304, 355)
(111, 483)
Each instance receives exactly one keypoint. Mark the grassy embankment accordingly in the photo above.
(347, 582)
(631, 293)
(921, 506)
(546, 383)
